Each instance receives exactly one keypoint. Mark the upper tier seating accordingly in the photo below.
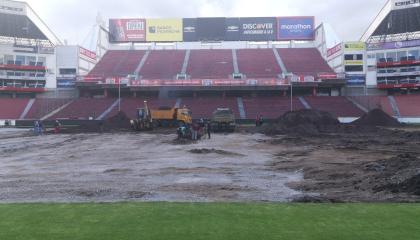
(211, 64)
(258, 63)
(304, 61)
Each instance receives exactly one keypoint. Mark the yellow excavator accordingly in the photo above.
(148, 119)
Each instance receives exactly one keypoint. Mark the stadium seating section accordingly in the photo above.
(163, 64)
(304, 61)
(118, 63)
(203, 107)
(258, 63)
(210, 64)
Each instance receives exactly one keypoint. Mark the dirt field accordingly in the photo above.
(376, 165)
(144, 167)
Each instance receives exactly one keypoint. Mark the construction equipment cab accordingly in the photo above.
(223, 120)
(144, 119)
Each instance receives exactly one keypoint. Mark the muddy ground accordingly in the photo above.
(360, 166)
(139, 167)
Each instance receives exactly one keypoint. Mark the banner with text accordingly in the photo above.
(127, 30)
(164, 30)
(296, 28)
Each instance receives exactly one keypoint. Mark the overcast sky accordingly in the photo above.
(73, 19)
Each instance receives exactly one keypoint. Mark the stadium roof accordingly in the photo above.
(398, 20)
(18, 20)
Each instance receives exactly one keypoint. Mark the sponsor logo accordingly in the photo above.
(258, 28)
(189, 29)
(163, 30)
(233, 28)
(135, 26)
(296, 27)
(406, 3)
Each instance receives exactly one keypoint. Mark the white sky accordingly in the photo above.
(73, 19)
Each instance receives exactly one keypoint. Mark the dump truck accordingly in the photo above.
(148, 119)
(223, 120)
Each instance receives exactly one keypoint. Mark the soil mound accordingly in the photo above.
(117, 122)
(378, 118)
(303, 122)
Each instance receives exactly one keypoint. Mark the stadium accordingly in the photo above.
(317, 120)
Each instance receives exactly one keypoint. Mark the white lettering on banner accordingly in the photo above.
(406, 3)
(296, 27)
(258, 29)
(135, 26)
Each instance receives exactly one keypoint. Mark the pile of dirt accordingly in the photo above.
(303, 122)
(379, 118)
(117, 122)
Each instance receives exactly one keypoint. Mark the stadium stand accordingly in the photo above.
(19, 26)
(84, 108)
(163, 64)
(258, 63)
(118, 63)
(12, 108)
(204, 107)
(338, 106)
(409, 105)
(305, 61)
(372, 102)
(269, 107)
(42, 107)
(130, 105)
(210, 64)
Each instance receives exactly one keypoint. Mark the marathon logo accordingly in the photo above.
(296, 27)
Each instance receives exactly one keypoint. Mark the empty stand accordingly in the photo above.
(118, 63)
(409, 105)
(373, 102)
(269, 107)
(258, 63)
(130, 105)
(84, 108)
(210, 64)
(163, 64)
(338, 106)
(42, 107)
(204, 107)
(12, 108)
(304, 61)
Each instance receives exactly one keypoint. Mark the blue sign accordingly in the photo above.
(356, 80)
(296, 28)
(66, 83)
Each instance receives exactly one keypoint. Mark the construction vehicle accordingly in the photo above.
(147, 119)
(223, 120)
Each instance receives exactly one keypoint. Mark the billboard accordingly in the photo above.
(211, 29)
(295, 28)
(354, 46)
(127, 30)
(393, 45)
(164, 30)
(190, 27)
(233, 29)
(258, 29)
(356, 79)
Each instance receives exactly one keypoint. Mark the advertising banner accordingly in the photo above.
(164, 30)
(66, 83)
(190, 26)
(211, 29)
(356, 79)
(354, 46)
(296, 28)
(258, 29)
(332, 51)
(233, 29)
(87, 53)
(127, 30)
(393, 45)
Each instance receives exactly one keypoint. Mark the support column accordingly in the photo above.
(106, 93)
(314, 92)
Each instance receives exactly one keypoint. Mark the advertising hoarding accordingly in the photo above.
(258, 29)
(354, 46)
(233, 29)
(356, 80)
(127, 30)
(393, 45)
(332, 51)
(164, 30)
(211, 29)
(190, 26)
(295, 28)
